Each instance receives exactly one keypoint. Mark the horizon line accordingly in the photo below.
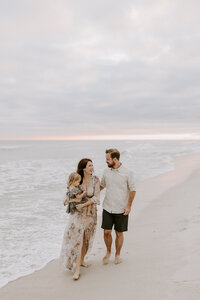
(156, 136)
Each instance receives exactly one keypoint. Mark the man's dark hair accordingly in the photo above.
(114, 153)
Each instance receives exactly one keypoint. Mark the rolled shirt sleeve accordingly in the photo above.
(131, 182)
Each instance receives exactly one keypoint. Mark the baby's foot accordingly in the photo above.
(118, 260)
(89, 214)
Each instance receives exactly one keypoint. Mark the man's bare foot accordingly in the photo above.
(76, 276)
(84, 264)
(118, 260)
(106, 259)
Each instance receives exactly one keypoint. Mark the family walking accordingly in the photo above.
(83, 196)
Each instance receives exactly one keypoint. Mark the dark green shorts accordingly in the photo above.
(120, 221)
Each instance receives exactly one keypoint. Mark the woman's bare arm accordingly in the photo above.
(81, 206)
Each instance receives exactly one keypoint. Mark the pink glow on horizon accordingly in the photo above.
(158, 136)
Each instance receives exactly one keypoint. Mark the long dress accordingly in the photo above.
(78, 225)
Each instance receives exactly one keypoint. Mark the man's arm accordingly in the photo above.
(103, 182)
(127, 209)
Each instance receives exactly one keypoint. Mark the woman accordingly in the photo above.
(79, 233)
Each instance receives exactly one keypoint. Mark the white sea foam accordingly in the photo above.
(10, 147)
(33, 182)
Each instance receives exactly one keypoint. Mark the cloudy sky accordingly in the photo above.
(96, 67)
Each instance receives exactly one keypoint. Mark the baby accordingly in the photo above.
(75, 195)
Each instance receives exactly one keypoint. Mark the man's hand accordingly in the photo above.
(127, 210)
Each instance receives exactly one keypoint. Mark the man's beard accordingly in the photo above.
(111, 165)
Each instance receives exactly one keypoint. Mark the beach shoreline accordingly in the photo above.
(153, 217)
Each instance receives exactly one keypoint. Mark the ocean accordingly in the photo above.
(33, 176)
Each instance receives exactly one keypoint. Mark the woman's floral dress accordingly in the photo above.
(79, 223)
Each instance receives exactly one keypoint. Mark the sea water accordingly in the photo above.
(33, 176)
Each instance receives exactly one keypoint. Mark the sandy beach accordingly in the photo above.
(161, 252)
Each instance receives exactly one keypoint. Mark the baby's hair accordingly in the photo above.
(73, 177)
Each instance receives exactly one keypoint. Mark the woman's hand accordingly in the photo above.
(84, 193)
(78, 198)
(79, 207)
(75, 200)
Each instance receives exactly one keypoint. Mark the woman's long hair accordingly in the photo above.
(82, 165)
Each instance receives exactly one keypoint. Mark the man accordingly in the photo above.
(120, 193)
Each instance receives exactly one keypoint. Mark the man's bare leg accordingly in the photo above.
(118, 244)
(108, 242)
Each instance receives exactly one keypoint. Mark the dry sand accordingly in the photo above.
(161, 252)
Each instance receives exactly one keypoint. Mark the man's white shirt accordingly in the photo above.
(118, 183)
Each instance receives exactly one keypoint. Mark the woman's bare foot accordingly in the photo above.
(76, 276)
(118, 260)
(84, 264)
(106, 259)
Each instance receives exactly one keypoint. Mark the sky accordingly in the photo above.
(95, 68)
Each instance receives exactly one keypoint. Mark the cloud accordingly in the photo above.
(84, 66)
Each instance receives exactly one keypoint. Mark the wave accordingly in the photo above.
(10, 148)
(32, 189)
(18, 275)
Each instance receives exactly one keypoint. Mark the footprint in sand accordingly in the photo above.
(183, 229)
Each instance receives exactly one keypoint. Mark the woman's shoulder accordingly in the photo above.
(96, 178)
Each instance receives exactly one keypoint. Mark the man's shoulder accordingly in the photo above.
(106, 170)
(126, 170)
